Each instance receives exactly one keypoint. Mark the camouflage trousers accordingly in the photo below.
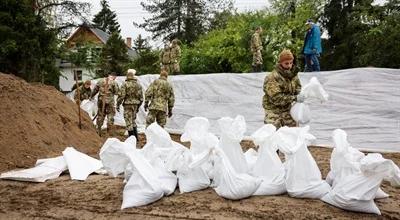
(174, 68)
(130, 112)
(279, 120)
(257, 58)
(156, 115)
(108, 111)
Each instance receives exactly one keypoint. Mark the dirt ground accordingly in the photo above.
(37, 121)
(100, 197)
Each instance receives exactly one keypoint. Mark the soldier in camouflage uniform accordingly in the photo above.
(175, 57)
(281, 88)
(256, 48)
(131, 97)
(161, 97)
(165, 58)
(107, 89)
(84, 92)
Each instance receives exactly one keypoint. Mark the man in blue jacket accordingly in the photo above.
(312, 47)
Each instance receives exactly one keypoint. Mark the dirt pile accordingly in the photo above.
(37, 121)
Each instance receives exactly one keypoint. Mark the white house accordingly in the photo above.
(84, 35)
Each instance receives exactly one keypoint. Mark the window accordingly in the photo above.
(78, 73)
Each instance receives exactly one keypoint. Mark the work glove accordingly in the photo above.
(300, 98)
(170, 114)
(145, 106)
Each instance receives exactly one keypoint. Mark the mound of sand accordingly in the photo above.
(37, 121)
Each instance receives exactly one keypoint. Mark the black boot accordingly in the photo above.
(136, 134)
(254, 68)
(130, 133)
(259, 67)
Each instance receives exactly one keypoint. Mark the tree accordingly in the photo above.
(62, 15)
(113, 57)
(147, 61)
(27, 47)
(140, 44)
(183, 19)
(361, 34)
(106, 19)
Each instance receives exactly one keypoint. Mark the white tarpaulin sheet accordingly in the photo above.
(365, 102)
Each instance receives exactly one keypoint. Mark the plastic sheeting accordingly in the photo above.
(365, 102)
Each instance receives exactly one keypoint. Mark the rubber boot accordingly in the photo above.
(130, 133)
(259, 67)
(136, 135)
(254, 68)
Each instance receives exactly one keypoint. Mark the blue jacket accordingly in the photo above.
(312, 40)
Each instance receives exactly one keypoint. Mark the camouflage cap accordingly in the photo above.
(285, 55)
(130, 73)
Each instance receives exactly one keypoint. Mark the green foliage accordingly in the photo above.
(361, 34)
(113, 57)
(28, 48)
(106, 19)
(147, 61)
(227, 49)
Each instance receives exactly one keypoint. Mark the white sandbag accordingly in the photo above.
(303, 177)
(345, 161)
(251, 156)
(194, 178)
(231, 134)
(113, 154)
(229, 183)
(357, 191)
(45, 169)
(394, 176)
(80, 165)
(158, 143)
(268, 166)
(143, 187)
(315, 90)
(191, 178)
(196, 131)
(167, 179)
(300, 112)
(90, 107)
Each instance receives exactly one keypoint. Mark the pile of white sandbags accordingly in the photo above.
(356, 178)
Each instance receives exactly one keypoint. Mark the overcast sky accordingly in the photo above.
(131, 10)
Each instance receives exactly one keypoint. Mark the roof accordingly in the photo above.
(103, 37)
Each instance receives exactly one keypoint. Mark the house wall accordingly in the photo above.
(67, 79)
(83, 35)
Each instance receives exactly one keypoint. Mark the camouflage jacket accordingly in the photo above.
(160, 94)
(256, 43)
(281, 88)
(83, 93)
(175, 54)
(130, 93)
(165, 56)
(106, 94)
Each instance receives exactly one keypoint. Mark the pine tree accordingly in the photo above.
(106, 19)
(183, 19)
(28, 46)
(140, 44)
(113, 57)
